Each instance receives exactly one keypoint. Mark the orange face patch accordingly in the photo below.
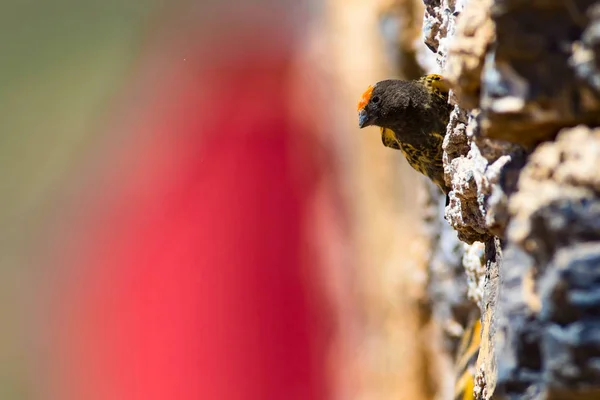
(364, 99)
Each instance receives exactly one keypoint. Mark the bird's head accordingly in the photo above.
(383, 102)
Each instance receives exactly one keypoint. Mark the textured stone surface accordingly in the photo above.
(557, 202)
(549, 312)
(518, 330)
(439, 25)
(522, 71)
(528, 214)
(475, 32)
(473, 262)
(485, 379)
(482, 173)
(552, 352)
(585, 58)
(537, 42)
(475, 167)
(570, 346)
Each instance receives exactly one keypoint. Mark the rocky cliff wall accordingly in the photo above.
(521, 236)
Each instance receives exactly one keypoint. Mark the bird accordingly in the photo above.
(412, 116)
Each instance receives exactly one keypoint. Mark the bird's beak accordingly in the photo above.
(363, 119)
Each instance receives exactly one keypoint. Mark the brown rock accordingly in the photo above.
(475, 32)
(530, 84)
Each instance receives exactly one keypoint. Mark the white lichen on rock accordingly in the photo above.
(439, 25)
(474, 263)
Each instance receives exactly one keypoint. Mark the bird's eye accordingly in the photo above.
(375, 99)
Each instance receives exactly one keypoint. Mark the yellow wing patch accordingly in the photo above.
(468, 352)
(464, 386)
(389, 139)
(437, 82)
(364, 99)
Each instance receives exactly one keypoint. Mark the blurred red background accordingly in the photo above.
(189, 264)
(189, 210)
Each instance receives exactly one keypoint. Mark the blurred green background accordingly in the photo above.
(61, 64)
